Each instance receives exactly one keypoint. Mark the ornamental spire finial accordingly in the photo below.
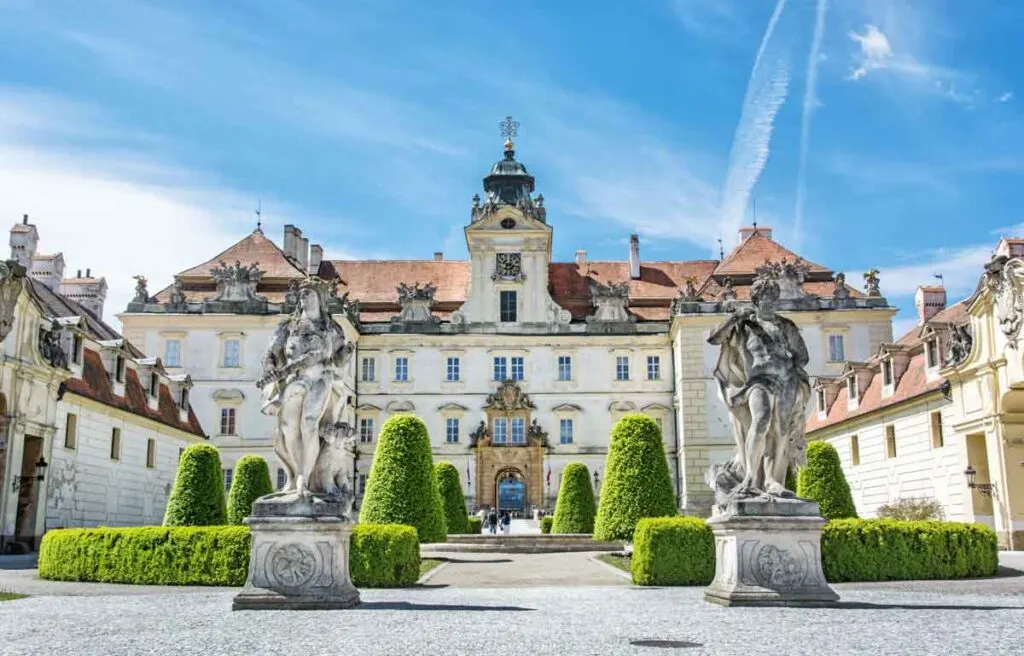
(509, 128)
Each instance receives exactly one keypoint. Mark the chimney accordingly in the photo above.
(929, 300)
(581, 258)
(24, 240)
(316, 256)
(634, 256)
(90, 294)
(289, 241)
(438, 256)
(746, 232)
(302, 251)
(49, 270)
(79, 275)
(88, 273)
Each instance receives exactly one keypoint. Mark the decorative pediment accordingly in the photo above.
(228, 396)
(415, 301)
(236, 282)
(788, 275)
(622, 406)
(401, 406)
(610, 301)
(368, 407)
(452, 407)
(655, 407)
(508, 397)
(567, 407)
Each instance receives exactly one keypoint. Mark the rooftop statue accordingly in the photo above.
(12, 280)
(306, 386)
(761, 378)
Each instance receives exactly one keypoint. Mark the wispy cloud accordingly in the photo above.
(1006, 96)
(960, 268)
(715, 18)
(765, 95)
(810, 102)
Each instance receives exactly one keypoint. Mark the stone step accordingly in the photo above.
(519, 544)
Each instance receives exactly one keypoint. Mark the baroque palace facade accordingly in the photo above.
(90, 428)
(517, 364)
(939, 413)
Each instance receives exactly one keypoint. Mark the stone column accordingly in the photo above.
(768, 553)
(299, 557)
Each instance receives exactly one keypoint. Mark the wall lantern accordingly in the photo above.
(40, 474)
(985, 488)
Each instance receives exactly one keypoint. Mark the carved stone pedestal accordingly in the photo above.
(768, 553)
(299, 558)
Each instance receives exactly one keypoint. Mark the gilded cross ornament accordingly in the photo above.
(509, 128)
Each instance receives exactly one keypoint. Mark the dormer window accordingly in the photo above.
(821, 400)
(931, 350)
(119, 368)
(887, 372)
(76, 348)
(183, 404)
(154, 382)
(851, 388)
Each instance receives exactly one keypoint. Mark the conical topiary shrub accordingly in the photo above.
(822, 480)
(791, 478)
(402, 488)
(575, 508)
(450, 488)
(251, 481)
(198, 495)
(637, 482)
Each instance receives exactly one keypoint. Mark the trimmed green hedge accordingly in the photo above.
(822, 480)
(381, 555)
(673, 551)
(890, 550)
(384, 556)
(575, 508)
(680, 551)
(198, 495)
(637, 482)
(402, 488)
(545, 524)
(476, 525)
(450, 488)
(251, 481)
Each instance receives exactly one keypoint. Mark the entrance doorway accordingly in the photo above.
(511, 491)
(28, 493)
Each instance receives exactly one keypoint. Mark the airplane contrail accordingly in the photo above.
(805, 121)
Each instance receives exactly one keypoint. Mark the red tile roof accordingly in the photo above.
(95, 384)
(753, 252)
(254, 248)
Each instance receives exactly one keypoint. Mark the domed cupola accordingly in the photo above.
(509, 183)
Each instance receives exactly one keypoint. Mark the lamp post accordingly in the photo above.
(40, 475)
(987, 489)
(597, 484)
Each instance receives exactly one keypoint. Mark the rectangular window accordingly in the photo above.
(565, 431)
(518, 430)
(653, 367)
(115, 444)
(518, 370)
(366, 430)
(890, 441)
(71, 431)
(172, 353)
(500, 369)
(821, 400)
(281, 478)
(451, 430)
(851, 388)
(362, 484)
(938, 440)
(836, 352)
(227, 421)
(151, 453)
(232, 353)
(183, 400)
(564, 367)
(402, 369)
(451, 373)
(119, 368)
(508, 306)
(854, 450)
(154, 383)
(76, 349)
(887, 372)
(227, 478)
(622, 367)
(500, 431)
(369, 370)
(932, 350)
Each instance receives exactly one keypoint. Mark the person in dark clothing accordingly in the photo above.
(492, 521)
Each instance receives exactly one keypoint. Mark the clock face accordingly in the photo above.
(509, 265)
(508, 223)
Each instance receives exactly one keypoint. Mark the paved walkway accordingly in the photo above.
(487, 570)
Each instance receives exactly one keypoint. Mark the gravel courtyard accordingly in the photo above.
(947, 618)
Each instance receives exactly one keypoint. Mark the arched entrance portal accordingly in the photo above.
(510, 490)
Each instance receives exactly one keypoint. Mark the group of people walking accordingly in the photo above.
(495, 522)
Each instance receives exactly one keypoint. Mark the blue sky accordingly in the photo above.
(140, 136)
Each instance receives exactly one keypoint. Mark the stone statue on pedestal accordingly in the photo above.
(767, 541)
(300, 534)
(12, 281)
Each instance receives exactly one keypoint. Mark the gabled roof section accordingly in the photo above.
(252, 249)
(376, 281)
(753, 252)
